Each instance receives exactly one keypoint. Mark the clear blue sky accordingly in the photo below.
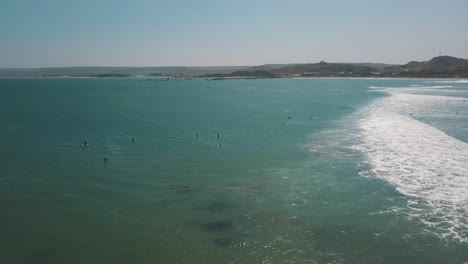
(47, 33)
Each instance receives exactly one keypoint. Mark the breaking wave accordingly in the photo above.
(421, 161)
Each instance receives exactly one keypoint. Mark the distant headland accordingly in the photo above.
(437, 67)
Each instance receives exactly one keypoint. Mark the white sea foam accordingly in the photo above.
(333, 143)
(409, 101)
(449, 81)
(413, 86)
(421, 161)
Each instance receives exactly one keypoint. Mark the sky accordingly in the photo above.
(64, 33)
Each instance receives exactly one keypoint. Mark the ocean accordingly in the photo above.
(233, 171)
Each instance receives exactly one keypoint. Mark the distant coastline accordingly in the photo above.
(437, 67)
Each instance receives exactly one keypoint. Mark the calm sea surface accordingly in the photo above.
(303, 171)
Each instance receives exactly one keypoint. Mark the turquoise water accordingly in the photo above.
(363, 171)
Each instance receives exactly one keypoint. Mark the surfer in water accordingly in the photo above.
(105, 159)
(133, 139)
(289, 117)
(220, 145)
(196, 135)
(85, 143)
(218, 136)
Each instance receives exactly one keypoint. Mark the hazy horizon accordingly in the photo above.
(188, 66)
(147, 33)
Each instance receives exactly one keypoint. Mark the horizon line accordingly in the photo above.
(206, 66)
(189, 66)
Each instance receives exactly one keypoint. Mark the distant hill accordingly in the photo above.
(269, 67)
(324, 69)
(379, 66)
(244, 74)
(438, 67)
(442, 66)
